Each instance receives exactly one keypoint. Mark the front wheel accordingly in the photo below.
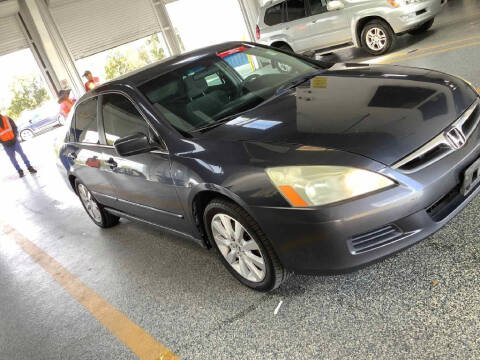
(243, 248)
(423, 28)
(377, 37)
(27, 134)
(96, 211)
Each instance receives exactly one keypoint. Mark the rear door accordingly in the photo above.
(296, 31)
(86, 152)
(272, 28)
(325, 28)
(143, 182)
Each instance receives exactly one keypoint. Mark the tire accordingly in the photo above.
(99, 216)
(377, 37)
(422, 28)
(27, 134)
(274, 274)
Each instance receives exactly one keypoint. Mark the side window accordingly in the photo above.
(121, 118)
(85, 126)
(295, 9)
(318, 6)
(273, 15)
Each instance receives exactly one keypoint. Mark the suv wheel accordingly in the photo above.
(422, 28)
(377, 37)
(243, 248)
(96, 211)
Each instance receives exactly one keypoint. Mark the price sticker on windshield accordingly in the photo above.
(318, 82)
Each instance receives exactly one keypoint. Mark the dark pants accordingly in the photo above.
(17, 148)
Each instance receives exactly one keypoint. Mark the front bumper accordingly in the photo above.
(325, 239)
(409, 17)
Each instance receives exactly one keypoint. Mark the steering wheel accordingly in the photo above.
(250, 78)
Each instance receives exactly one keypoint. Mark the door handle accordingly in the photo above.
(72, 156)
(111, 163)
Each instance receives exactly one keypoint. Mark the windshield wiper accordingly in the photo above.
(297, 81)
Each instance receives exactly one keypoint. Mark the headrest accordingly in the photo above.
(195, 87)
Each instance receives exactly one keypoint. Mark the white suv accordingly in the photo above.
(321, 26)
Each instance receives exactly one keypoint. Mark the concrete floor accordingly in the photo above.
(423, 303)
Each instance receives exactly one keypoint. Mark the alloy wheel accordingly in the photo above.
(89, 202)
(238, 247)
(27, 135)
(376, 39)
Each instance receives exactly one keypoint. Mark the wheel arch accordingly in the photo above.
(360, 24)
(71, 180)
(203, 195)
(278, 43)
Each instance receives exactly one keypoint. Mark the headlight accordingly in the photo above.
(398, 3)
(319, 185)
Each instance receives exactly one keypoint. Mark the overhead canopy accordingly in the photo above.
(92, 26)
(12, 37)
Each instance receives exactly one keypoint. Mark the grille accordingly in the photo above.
(472, 122)
(440, 146)
(374, 239)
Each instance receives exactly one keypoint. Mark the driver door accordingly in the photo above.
(143, 182)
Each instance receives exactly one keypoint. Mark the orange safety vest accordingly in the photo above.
(6, 134)
(66, 107)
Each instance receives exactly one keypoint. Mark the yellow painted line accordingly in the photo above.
(406, 53)
(133, 336)
(449, 43)
(431, 53)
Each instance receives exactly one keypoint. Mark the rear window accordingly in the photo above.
(295, 9)
(273, 15)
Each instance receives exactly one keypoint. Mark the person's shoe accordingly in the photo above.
(21, 173)
(32, 170)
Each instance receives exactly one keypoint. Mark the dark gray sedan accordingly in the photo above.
(281, 163)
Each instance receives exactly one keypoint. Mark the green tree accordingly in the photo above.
(28, 94)
(155, 47)
(118, 64)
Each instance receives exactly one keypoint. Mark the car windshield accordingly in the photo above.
(217, 87)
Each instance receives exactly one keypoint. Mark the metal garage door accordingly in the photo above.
(12, 37)
(91, 26)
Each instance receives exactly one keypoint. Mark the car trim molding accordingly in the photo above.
(179, 216)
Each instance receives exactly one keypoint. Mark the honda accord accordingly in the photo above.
(281, 163)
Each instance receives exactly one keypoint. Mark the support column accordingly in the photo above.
(167, 27)
(250, 11)
(50, 45)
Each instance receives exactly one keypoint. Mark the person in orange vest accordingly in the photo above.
(8, 138)
(66, 103)
(92, 81)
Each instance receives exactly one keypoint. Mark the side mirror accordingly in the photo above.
(335, 5)
(133, 144)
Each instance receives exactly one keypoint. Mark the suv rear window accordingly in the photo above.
(273, 15)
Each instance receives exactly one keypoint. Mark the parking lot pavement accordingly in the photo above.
(422, 303)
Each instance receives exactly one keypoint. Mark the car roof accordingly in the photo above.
(149, 72)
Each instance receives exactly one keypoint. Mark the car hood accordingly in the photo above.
(380, 112)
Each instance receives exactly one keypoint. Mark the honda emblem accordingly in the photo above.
(456, 138)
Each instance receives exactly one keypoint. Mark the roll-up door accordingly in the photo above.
(91, 26)
(12, 37)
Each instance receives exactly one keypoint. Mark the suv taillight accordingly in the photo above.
(257, 33)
